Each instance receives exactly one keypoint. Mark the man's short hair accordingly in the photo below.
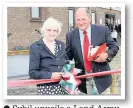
(88, 11)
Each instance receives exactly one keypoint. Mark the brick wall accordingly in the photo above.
(100, 14)
(60, 14)
(23, 30)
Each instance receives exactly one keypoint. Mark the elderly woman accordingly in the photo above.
(47, 58)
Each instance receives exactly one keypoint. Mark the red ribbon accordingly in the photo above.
(13, 83)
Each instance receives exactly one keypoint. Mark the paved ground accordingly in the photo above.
(115, 88)
(116, 64)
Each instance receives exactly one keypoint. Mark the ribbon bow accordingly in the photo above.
(69, 82)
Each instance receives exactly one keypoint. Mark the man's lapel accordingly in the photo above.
(94, 35)
(78, 45)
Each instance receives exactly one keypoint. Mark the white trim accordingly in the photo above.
(4, 49)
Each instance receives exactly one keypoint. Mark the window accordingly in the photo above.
(93, 17)
(35, 14)
(71, 19)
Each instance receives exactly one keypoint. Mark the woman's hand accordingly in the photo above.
(57, 75)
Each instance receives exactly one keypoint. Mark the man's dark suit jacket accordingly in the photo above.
(99, 35)
(43, 62)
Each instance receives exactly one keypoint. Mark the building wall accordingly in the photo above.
(100, 14)
(60, 14)
(23, 30)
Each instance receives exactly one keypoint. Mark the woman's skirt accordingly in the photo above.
(51, 90)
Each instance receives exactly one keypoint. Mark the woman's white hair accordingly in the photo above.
(51, 21)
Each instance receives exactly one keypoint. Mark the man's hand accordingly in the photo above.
(101, 57)
(57, 75)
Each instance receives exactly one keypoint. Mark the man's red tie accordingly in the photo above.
(86, 44)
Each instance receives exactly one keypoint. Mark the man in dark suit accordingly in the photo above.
(76, 49)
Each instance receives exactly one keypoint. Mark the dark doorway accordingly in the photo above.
(109, 21)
